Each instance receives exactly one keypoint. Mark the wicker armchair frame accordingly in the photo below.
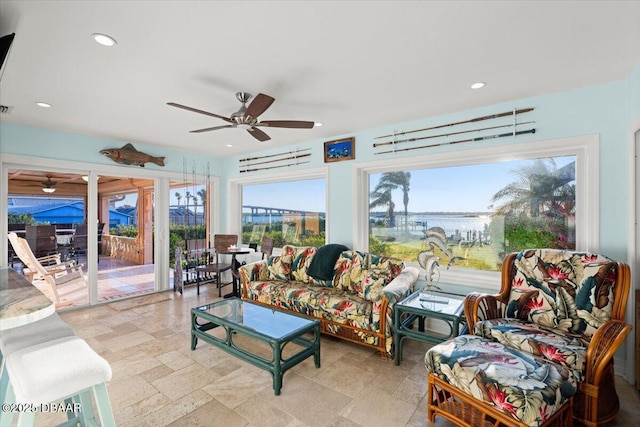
(447, 401)
(587, 407)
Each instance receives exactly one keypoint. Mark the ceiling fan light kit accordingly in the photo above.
(48, 186)
(247, 117)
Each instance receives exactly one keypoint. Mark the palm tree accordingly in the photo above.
(382, 197)
(541, 189)
(388, 182)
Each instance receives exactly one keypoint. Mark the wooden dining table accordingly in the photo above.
(20, 301)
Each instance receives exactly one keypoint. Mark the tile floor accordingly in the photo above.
(158, 381)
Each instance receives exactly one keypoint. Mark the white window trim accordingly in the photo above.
(585, 148)
(234, 188)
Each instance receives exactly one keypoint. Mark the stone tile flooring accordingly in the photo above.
(158, 381)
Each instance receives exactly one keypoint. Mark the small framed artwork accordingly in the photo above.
(340, 149)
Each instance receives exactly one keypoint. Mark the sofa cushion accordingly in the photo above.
(525, 387)
(569, 291)
(278, 268)
(348, 269)
(300, 262)
(317, 301)
(371, 284)
(554, 345)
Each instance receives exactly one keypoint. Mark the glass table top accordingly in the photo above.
(433, 302)
(267, 321)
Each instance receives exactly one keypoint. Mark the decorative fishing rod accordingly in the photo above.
(275, 161)
(480, 138)
(274, 155)
(402, 141)
(273, 167)
(477, 119)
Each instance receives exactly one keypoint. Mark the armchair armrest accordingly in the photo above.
(478, 307)
(53, 259)
(76, 268)
(401, 285)
(602, 347)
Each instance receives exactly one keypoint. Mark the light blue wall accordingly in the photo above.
(605, 109)
(51, 144)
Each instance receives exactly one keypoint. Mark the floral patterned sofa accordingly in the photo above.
(355, 304)
(567, 307)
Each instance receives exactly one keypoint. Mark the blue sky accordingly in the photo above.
(451, 189)
(459, 189)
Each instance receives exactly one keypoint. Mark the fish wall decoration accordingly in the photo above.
(128, 155)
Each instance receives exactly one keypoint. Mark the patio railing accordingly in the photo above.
(119, 247)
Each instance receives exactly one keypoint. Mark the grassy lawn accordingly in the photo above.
(479, 257)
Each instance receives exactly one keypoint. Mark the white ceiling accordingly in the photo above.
(352, 65)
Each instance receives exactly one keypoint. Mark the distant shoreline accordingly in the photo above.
(401, 213)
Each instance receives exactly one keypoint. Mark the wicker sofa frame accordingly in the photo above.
(344, 331)
(588, 408)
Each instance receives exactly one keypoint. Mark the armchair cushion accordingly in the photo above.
(568, 291)
(554, 345)
(526, 387)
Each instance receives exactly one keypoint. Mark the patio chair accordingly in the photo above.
(56, 277)
(80, 241)
(42, 239)
(221, 243)
(49, 262)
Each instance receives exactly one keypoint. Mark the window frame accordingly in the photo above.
(234, 211)
(584, 148)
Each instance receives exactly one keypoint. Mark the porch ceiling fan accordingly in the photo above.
(247, 117)
(48, 186)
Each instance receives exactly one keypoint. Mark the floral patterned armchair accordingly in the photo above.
(567, 307)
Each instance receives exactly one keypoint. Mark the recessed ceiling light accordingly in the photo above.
(317, 124)
(478, 85)
(229, 145)
(104, 39)
(43, 104)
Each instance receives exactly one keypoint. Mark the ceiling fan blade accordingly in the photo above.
(195, 110)
(296, 124)
(258, 134)
(213, 128)
(259, 105)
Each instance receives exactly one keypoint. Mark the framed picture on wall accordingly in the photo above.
(340, 149)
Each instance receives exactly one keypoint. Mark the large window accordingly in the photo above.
(471, 208)
(471, 215)
(292, 212)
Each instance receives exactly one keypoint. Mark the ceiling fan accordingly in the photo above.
(247, 117)
(48, 186)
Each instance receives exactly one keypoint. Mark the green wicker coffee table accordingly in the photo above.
(273, 327)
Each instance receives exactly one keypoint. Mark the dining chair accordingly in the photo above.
(221, 244)
(266, 247)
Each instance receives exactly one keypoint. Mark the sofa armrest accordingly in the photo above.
(401, 285)
(603, 345)
(251, 272)
(478, 307)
